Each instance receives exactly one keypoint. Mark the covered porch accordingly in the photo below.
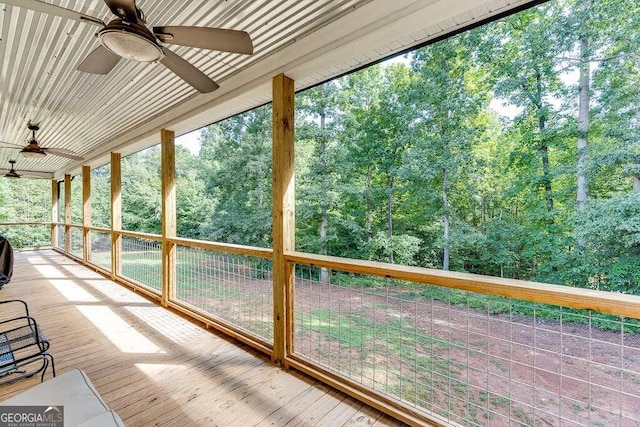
(178, 330)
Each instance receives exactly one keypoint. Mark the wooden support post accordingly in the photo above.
(168, 153)
(116, 213)
(86, 214)
(55, 213)
(67, 213)
(284, 223)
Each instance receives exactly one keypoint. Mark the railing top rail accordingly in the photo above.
(100, 229)
(600, 301)
(13, 224)
(140, 235)
(224, 247)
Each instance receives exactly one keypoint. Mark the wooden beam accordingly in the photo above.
(55, 213)
(116, 213)
(618, 304)
(168, 154)
(284, 223)
(67, 213)
(86, 213)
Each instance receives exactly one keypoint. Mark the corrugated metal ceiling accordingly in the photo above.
(84, 113)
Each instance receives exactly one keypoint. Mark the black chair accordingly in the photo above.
(6, 261)
(23, 346)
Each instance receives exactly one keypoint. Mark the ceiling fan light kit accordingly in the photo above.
(130, 41)
(12, 173)
(32, 150)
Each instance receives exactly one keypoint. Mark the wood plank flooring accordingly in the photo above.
(154, 367)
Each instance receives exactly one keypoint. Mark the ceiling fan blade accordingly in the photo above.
(206, 38)
(187, 72)
(12, 145)
(125, 9)
(100, 61)
(61, 152)
(52, 9)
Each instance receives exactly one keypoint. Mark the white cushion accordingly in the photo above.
(73, 390)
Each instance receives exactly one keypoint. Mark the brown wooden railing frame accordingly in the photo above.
(564, 296)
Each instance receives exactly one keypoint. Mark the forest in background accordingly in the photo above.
(510, 150)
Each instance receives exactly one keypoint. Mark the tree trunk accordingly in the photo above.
(544, 148)
(636, 182)
(368, 213)
(390, 184)
(445, 220)
(583, 127)
(324, 272)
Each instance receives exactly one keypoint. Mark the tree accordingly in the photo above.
(524, 62)
(317, 113)
(449, 94)
(236, 168)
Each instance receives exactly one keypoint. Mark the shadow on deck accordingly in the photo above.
(154, 367)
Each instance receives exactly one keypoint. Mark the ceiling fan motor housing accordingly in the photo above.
(32, 150)
(130, 41)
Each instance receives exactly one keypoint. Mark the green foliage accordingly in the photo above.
(25, 200)
(141, 186)
(611, 226)
(236, 169)
(101, 196)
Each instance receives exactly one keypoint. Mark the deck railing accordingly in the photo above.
(27, 234)
(425, 345)
(470, 349)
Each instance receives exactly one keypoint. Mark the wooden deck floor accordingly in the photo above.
(154, 367)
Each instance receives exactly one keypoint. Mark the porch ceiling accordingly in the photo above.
(309, 40)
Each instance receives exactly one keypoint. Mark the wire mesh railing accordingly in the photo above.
(21, 236)
(100, 253)
(77, 243)
(60, 236)
(234, 288)
(465, 357)
(473, 359)
(141, 260)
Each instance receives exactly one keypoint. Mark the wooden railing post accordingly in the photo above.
(168, 153)
(116, 213)
(86, 214)
(67, 214)
(55, 195)
(284, 223)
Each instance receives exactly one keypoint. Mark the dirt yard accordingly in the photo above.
(458, 362)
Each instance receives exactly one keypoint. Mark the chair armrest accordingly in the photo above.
(23, 332)
(19, 301)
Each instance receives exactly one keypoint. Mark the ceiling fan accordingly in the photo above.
(13, 174)
(34, 150)
(127, 36)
